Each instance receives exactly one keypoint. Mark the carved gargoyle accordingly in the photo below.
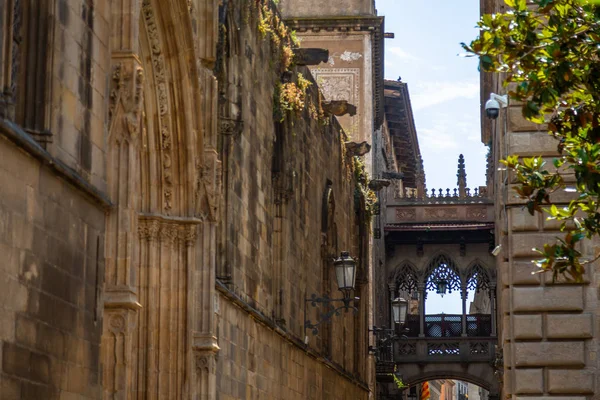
(392, 175)
(357, 149)
(339, 108)
(306, 56)
(378, 184)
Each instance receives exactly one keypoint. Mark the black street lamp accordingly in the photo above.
(399, 310)
(442, 286)
(345, 275)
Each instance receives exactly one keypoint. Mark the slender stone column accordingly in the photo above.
(392, 288)
(493, 308)
(463, 296)
(121, 303)
(422, 295)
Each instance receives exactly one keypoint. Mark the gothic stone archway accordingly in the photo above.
(163, 178)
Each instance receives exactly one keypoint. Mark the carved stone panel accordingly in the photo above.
(406, 214)
(441, 213)
(477, 213)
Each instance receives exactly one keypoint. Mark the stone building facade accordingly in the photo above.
(548, 334)
(160, 229)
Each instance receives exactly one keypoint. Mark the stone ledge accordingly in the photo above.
(19, 137)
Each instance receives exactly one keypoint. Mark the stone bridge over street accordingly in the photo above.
(439, 242)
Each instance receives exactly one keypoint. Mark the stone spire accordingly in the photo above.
(462, 177)
(420, 178)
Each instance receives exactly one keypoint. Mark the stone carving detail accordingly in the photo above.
(441, 213)
(127, 92)
(206, 363)
(159, 68)
(170, 232)
(208, 186)
(337, 87)
(117, 324)
(477, 213)
(406, 214)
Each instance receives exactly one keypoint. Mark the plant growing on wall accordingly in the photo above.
(361, 177)
(548, 51)
(289, 99)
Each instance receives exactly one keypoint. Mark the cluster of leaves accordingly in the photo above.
(548, 52)
(270, 24)
(290, 98)
(362, 190)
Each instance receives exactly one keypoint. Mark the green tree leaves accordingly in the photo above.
(550, 55)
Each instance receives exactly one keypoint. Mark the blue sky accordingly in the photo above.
(444, 91)
(444, 88)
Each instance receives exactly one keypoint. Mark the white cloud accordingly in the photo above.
(403, 55)
(431, 93)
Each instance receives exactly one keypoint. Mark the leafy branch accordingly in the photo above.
(549, 54)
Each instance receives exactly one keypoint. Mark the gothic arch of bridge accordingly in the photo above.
(407, 275)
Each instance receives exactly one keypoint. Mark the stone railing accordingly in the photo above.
(439, 196)
(429, 349)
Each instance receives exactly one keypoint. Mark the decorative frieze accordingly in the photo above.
(169, 231)
(406, 214)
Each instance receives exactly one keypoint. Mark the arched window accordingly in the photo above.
(442, 274)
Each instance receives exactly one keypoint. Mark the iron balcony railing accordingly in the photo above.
(449, 325)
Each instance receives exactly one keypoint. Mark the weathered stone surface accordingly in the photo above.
(570, 381)
(549, 354)
(529, 381)
(527, 326)
(553, 298)
(569, 326)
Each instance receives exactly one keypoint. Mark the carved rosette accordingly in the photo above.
(164, 116)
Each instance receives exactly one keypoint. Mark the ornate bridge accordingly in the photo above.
(440, 242)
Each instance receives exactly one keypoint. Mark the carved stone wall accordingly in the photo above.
(271, 240)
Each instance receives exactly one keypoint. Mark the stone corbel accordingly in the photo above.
(338, 108)
(230, 127)
(357, 149)
(378, 184)
(307, 56)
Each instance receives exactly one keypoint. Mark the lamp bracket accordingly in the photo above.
(332, 311)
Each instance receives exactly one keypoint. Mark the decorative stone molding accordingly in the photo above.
(160, 81)
(172, 231)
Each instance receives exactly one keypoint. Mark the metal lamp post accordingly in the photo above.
(345, 275)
